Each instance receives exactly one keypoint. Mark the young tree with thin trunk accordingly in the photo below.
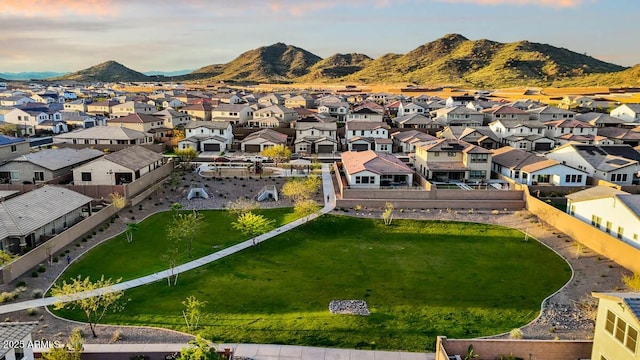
(185, 157)
(301, 189)
(192, 311)
(184, 228)
(171, 257)
(242, 205)
(305, 208)
(387, 214)
(94, 307)
(278, 153)
(131, 228)
(252, 224)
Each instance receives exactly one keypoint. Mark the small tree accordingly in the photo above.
(186, 156)
(171, 256)
(94, 307)
(301, 189)
(198, 349)
(8, 129)
(306, 208)
(278, 153)
(131, 228)
(387, 214)
(185, 227)
(70, 351)
(242, 205)
(117, 200)
(632, 281)
(193, 311)
(252, 224)
(6, 257)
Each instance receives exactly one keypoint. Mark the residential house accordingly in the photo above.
(262, 139)
(271, 99)
(131, 107)
(300, 101)
(504, 112)
(16, 100)
(526, 104)
(12, 147)
(78, 119)
(76, 105)
(531, 169)
(478, 135)
(45, 165)
(584, 139)
(525, 135)
(558, 128)
(627, 112)
(118, 168)
(367, 135)
(47, 98)
(172, 119)
(28, 121)
(34, 217)
(316, 138)
(373, 170)
(267, 122)
(459, 100)
(617, 326)
(621, 135)
(226, 98)
(414, 121)
(458, 116)
(408, 108)
(237, 114)
(199, 112)
(101, 107)
(480, 105)
(364, 114)
(141, 122)
(105, 135)
(405, 141)
(613, 211)
(207, 136)
(172, 103)
(20, 334)
(337, 109)
(614, 163)
(284, 114)
(371, 106)
(600, 120)
(452, 160)
(550, 113)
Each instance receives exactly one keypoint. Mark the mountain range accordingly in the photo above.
(450, 60)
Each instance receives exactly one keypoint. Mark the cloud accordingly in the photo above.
(548, 3)
(50, 8)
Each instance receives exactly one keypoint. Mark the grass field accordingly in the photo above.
(116, 258)
(420, 279)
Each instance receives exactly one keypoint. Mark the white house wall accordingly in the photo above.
(609, 209)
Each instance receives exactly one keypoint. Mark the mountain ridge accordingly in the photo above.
(450, 60)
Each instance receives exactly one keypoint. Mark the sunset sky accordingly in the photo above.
(145, 35)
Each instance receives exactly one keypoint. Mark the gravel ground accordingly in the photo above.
(559, 317)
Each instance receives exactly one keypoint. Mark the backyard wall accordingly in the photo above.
(489, 349)
(596, 240)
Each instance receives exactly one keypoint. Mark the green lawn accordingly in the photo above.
(420, 279)
(116, 258)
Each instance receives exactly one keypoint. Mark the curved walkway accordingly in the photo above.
(330, 201)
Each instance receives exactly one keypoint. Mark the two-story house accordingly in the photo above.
(447, 160)
(283, 114)
(300, 101)
(367, 135)
(207, 136)
(12, 147)
(504, 112)
(131, 107)
(262, 139)
(199, 112)
(76, 105)
(549, 113)
(408, 108)
(413, 121)
(526, 135)
(364, 114)
(338, 109)
(316, 138)
(458, 116)
(101, 107)
(627, 112)
(478, 135)
(568, 128)
(173, 119)
(617, 326)
(141, 122)
(405, 141)
(237, 114)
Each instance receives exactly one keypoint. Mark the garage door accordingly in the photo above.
(211, 147)
(325, 149)
(252, 148)
(360, 147)
(542, 146)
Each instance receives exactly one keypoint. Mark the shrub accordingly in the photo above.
(34, 274)
(133, 218)
(55, 259)
(632, 281)
(357, 208)
(41, 268)
(36, 293)
(77, 332)
(516, 334)
(83, 240)
(116, 336)
(32, 311)
(89, 236)
(77, 244)
(93, 233)
(495, 212)
(21, 283)
(67, 251)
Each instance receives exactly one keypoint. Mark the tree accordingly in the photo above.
(278, 153)
(253, 224)
(6, 257)
(198, 349)
(184, 228)
(305, 208)
(117, 200)
(72, 350)
(186, 156)
(131, 228)
(9, 129)
(93, 307)
(171, 256)
(193, 311)
(301, 189)
(387, 214)
(242, 205)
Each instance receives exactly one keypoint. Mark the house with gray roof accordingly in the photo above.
(20, 333)
(262, 139)
(477, 135)
(12, 147)
(118, 168)
(30, 219)
(213, 136)
(414, 120)
(550, 113)
(45, 165)
(105, 135)
(234, 113)
(627, 112)
(405, 141)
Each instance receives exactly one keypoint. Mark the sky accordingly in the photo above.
(169, 35)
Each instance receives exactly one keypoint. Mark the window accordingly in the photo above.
(38, 176)
(15, 175)
(596, 221)
(479, 158)
(477, 174)
(632, 339)
(86, 176)
(620, 232)
(14, 148)
(619, 177)
(608, 227)
(573, 178)
(610, 323)
(621, 327)
(451, 154)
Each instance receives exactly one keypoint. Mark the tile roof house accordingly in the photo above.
(452, 160)
(549, 113)
(458, 115)
(599, 119)
(262, 139)
(477, 135)
(285, 114)
(141, 122)
(105, 135)
(558, 128)
(405, 141)
(200, 112)
(118, 168)
(531, 169)
(29, 219)
(415, 121)
(618, 164)
(620, 135)
(364, 114)
(234, 113)
(617, 326)
(372, 170)
(504, 112)
(45, 165)
(131, 107)
(526, 135)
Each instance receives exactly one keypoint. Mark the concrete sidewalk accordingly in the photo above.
(329, 198)
(266, 351)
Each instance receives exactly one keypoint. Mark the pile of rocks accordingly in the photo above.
(567, 317)
(350, 307)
